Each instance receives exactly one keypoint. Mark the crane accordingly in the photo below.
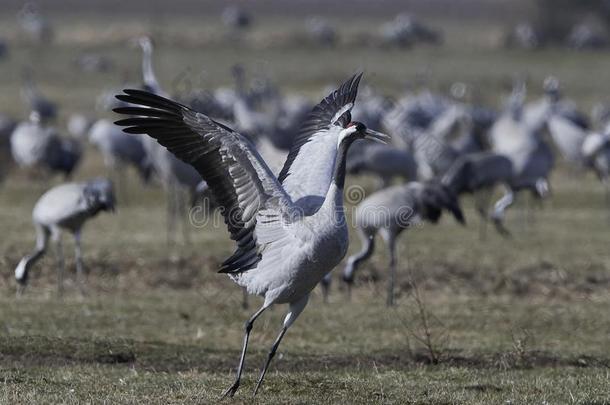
(290, 230)
(65, 207)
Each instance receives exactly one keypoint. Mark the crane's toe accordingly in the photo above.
(230, 392)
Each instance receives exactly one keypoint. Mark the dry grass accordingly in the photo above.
(526, 319)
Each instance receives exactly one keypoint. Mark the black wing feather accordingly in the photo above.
(197, 140)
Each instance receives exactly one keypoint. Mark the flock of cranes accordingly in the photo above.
(276, 165)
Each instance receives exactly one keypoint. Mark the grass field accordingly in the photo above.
(525, 320)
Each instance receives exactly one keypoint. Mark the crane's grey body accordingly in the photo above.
(30, 142)
(384, 161)
(568, 137)
(391, 211)
(37, 145)
(119, 150)
(65, 207)
(596, 152)
(520, 138)
(290, 230)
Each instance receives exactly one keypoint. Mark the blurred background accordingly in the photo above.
(480, 317)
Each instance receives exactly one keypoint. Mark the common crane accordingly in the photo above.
(390, 211)
(65, 207)
(521, 139)
(37, 145)
(290, 230)
(176, 176)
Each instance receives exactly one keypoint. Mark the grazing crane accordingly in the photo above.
(290, 230)
(65, 207)
(392, 210)
(479, 173)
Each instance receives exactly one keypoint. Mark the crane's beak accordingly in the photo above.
(376, 136)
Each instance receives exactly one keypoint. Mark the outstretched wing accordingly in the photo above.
(242, 183)
(308, 168)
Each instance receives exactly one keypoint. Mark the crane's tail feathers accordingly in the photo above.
(20, 271)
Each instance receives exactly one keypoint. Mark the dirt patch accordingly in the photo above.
(39, 351)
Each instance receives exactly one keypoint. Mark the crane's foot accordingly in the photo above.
(230, 392)
(501, 228)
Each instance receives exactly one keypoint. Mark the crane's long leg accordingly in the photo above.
(295, 310)
(500, 206)
(121, 172)
(325, 285)
(481, 203)
(171, 214)
(353, 262)
(391, 241)
(244, 299)
(384, 182)
(606, 182)
(78, 254)
(184, 216)
(60, 261)
(21, 272)
(233, 388)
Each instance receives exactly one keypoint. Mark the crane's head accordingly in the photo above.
(143, 42)
(552, 88)
(437, 197)
(357, 130)
(99, 194)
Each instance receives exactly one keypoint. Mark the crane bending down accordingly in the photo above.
(290, 230)
(391, 211)
(65, 207)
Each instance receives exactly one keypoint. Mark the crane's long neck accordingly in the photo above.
(148, 73)
(334, 195)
